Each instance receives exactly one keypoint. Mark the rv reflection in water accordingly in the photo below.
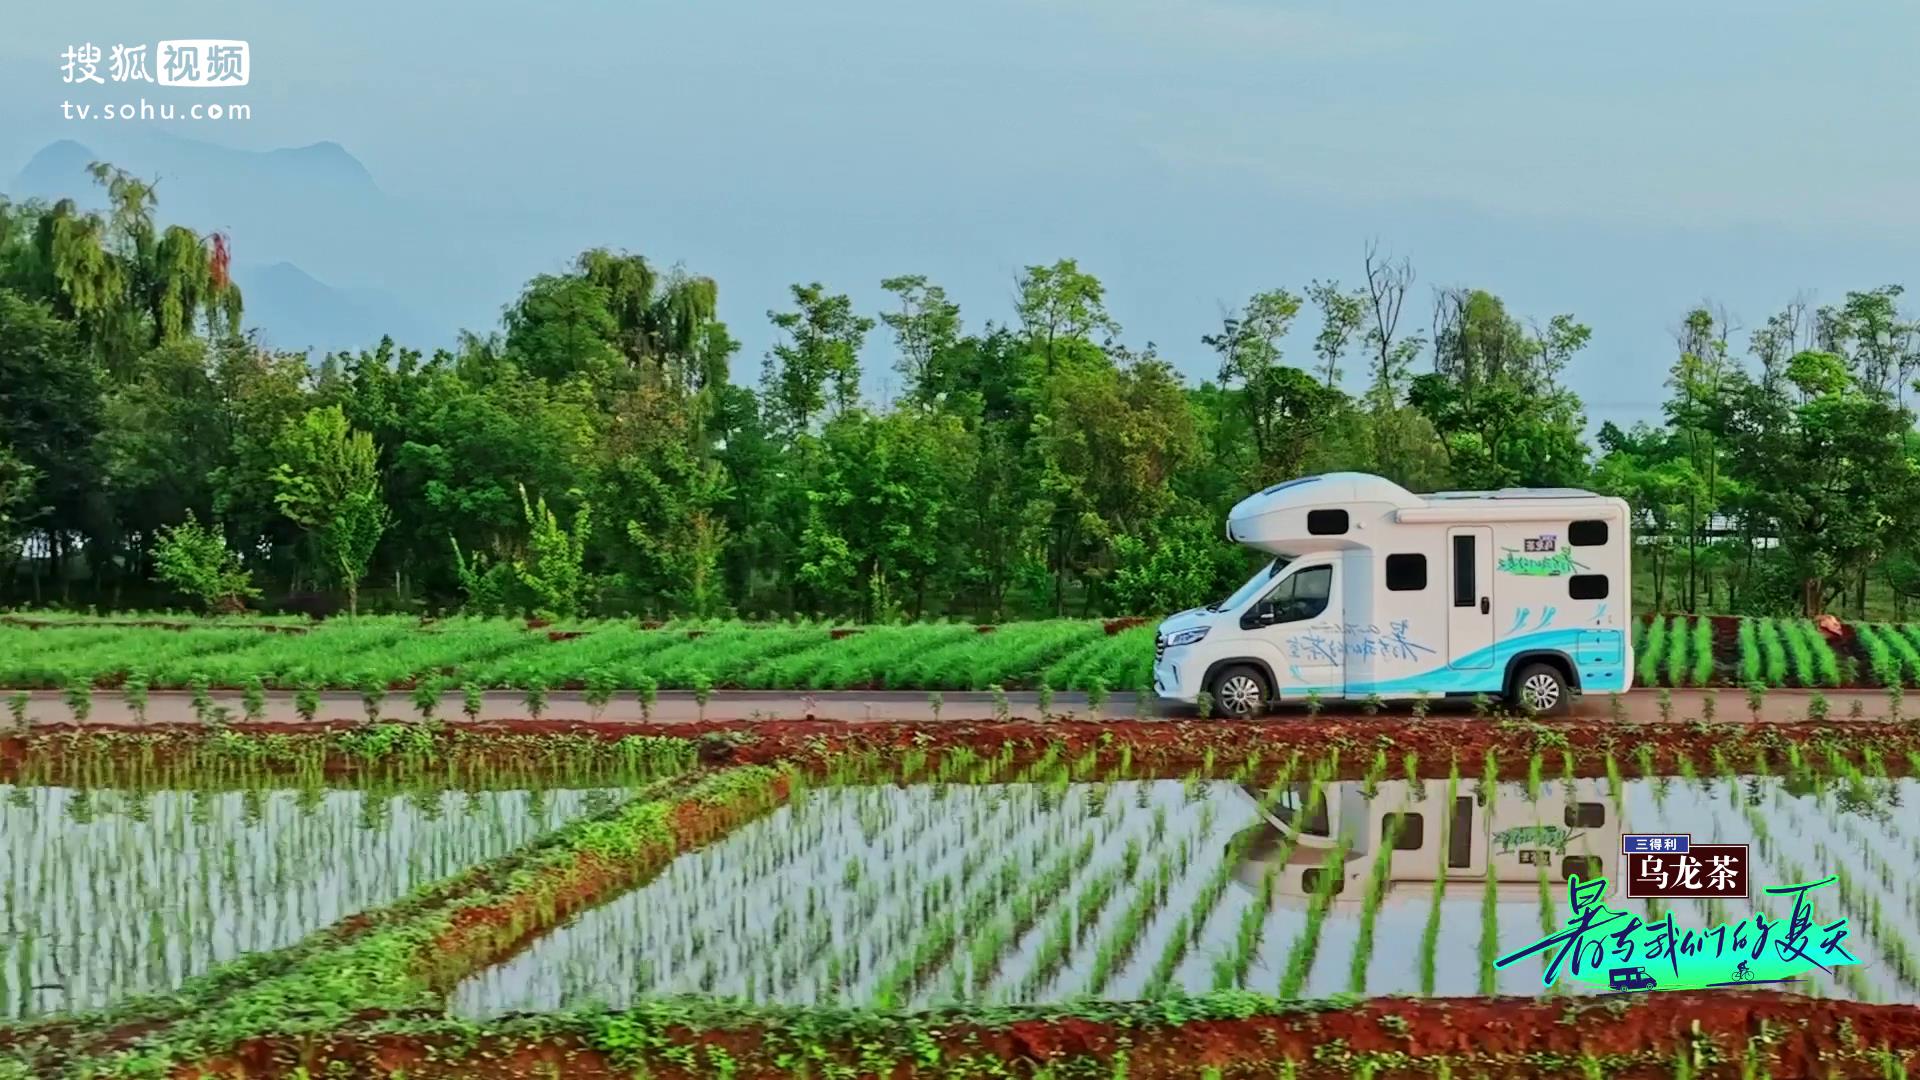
(1567, 831)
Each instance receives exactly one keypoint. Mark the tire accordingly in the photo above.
(1238, 692)
(1540, 690)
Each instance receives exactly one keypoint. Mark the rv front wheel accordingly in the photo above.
(1539, 689)
(1239, 692)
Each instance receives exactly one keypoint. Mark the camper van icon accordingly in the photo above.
(1630, 978)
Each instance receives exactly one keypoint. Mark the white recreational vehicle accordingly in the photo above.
(1566, 831)
(1376, 591)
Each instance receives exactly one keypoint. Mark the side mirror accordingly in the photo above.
(1266, 614)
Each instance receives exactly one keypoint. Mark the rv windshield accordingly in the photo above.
(1245, 592)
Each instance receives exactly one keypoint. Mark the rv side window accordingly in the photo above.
(1302, 596)
(1587, 866)
(1586, 815)
(1587, 534)
(1463, 585)
(1327, 522)
(1587, 586)
(1406, 573)
(1312, 879)
(1412, 835)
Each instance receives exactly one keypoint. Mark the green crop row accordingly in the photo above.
(1067, 654)
(1064, 654)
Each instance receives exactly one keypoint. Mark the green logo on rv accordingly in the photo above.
(1534, 562)
(1543, 836)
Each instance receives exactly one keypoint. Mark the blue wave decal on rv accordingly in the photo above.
(1598, 656)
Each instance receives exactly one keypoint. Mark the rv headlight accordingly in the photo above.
(1187, 637)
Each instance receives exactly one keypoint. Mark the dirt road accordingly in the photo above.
(176, 707)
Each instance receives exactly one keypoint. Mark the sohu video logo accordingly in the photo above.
(1601, 946)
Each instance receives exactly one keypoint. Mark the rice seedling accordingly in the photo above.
(111, 892)
(134, 693)
(1430, 935)
(1306, 946)
(1096, 696)
(254, 699)
(1376, 889)
(703, 692)
(648, 693)
(1490, 894)
(306, 703)
(79, 698)
(202, 697)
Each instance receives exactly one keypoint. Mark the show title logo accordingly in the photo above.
(1622, 953)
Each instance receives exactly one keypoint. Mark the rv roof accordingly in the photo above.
(1517, 493)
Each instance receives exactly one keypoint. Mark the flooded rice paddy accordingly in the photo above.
(107, 893)
(921, 894)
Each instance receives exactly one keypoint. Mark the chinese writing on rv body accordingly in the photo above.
(184, 62)
(1326, 643)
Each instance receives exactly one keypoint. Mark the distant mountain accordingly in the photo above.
(298, 220)
(293, 310)
(58, 171)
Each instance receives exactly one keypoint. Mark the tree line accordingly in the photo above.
(591, 454)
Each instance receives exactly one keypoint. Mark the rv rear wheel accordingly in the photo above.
(1541, 690)
(1239, 692)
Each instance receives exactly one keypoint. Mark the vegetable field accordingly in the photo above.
(1683, 650)
(1067, 654)
(397, 652)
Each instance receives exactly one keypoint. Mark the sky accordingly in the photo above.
(1619, 162)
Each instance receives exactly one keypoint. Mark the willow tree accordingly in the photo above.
(127, 282)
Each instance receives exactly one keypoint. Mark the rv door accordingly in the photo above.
(1297, 629)
(1470, 612)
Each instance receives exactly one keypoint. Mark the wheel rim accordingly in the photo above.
(1240, 694)
(1541, 691)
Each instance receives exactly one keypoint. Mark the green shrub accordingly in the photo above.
(194, 559)
(1773, 651)
(1652, 652)
(1881, 660)
(1677, 642)
(1900, 642)
(1750, 666)
(1703, 660)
